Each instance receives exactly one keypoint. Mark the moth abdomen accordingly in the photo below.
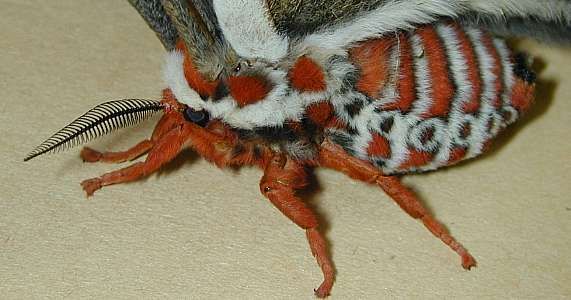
(448, 90)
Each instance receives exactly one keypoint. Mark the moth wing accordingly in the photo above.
(355, 20)
(154, 14)
(195, 23)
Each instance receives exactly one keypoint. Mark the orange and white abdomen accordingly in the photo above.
(435, 96)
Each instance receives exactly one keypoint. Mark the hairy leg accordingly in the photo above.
(281, 178)
(90, 155)
(165, 149)
(333, 156)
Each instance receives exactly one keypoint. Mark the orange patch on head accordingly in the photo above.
(195, 80)
(442, 88)
(522, 95)
(416, 159)
(248, 89)
(379, 147)
(372, 57)
(320, 113)
(307, 76)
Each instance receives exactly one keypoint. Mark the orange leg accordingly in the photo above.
(165, 124)
(333, 156)
(162, 152)
(281, 178)
(90, 155)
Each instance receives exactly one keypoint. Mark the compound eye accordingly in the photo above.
(199, 117)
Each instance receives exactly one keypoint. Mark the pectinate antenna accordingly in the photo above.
(98, 121)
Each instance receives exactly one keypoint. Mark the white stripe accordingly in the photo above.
(486, 63)
(422, 79)
(398, 142)
(173, 75)
(463, 89)
(389, 93)
(507, 70)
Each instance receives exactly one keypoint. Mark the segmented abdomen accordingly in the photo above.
(433, 97)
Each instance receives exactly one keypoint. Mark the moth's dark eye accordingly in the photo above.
(238, 68)
(199, 117)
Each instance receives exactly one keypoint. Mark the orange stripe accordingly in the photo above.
(405, 78)
(442, 87)
(372, 58)
(473, 71)
(496, 68)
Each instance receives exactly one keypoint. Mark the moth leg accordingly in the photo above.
(165, 124)
(410, 203)
(335, 157)
(162, 152)
(281, 178)
(90, 155)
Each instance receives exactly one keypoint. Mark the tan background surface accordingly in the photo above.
(199, 232)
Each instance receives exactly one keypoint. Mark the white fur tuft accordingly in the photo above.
(173, 75)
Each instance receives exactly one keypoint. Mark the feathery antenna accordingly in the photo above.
(100, 120)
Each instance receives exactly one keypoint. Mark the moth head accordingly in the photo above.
(238, 96)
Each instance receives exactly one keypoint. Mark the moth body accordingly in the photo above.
(412, 101)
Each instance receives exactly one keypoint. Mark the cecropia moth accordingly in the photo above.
(373, 89)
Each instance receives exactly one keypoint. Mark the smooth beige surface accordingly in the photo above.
(195, 231)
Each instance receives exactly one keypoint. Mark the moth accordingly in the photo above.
(373, 89)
